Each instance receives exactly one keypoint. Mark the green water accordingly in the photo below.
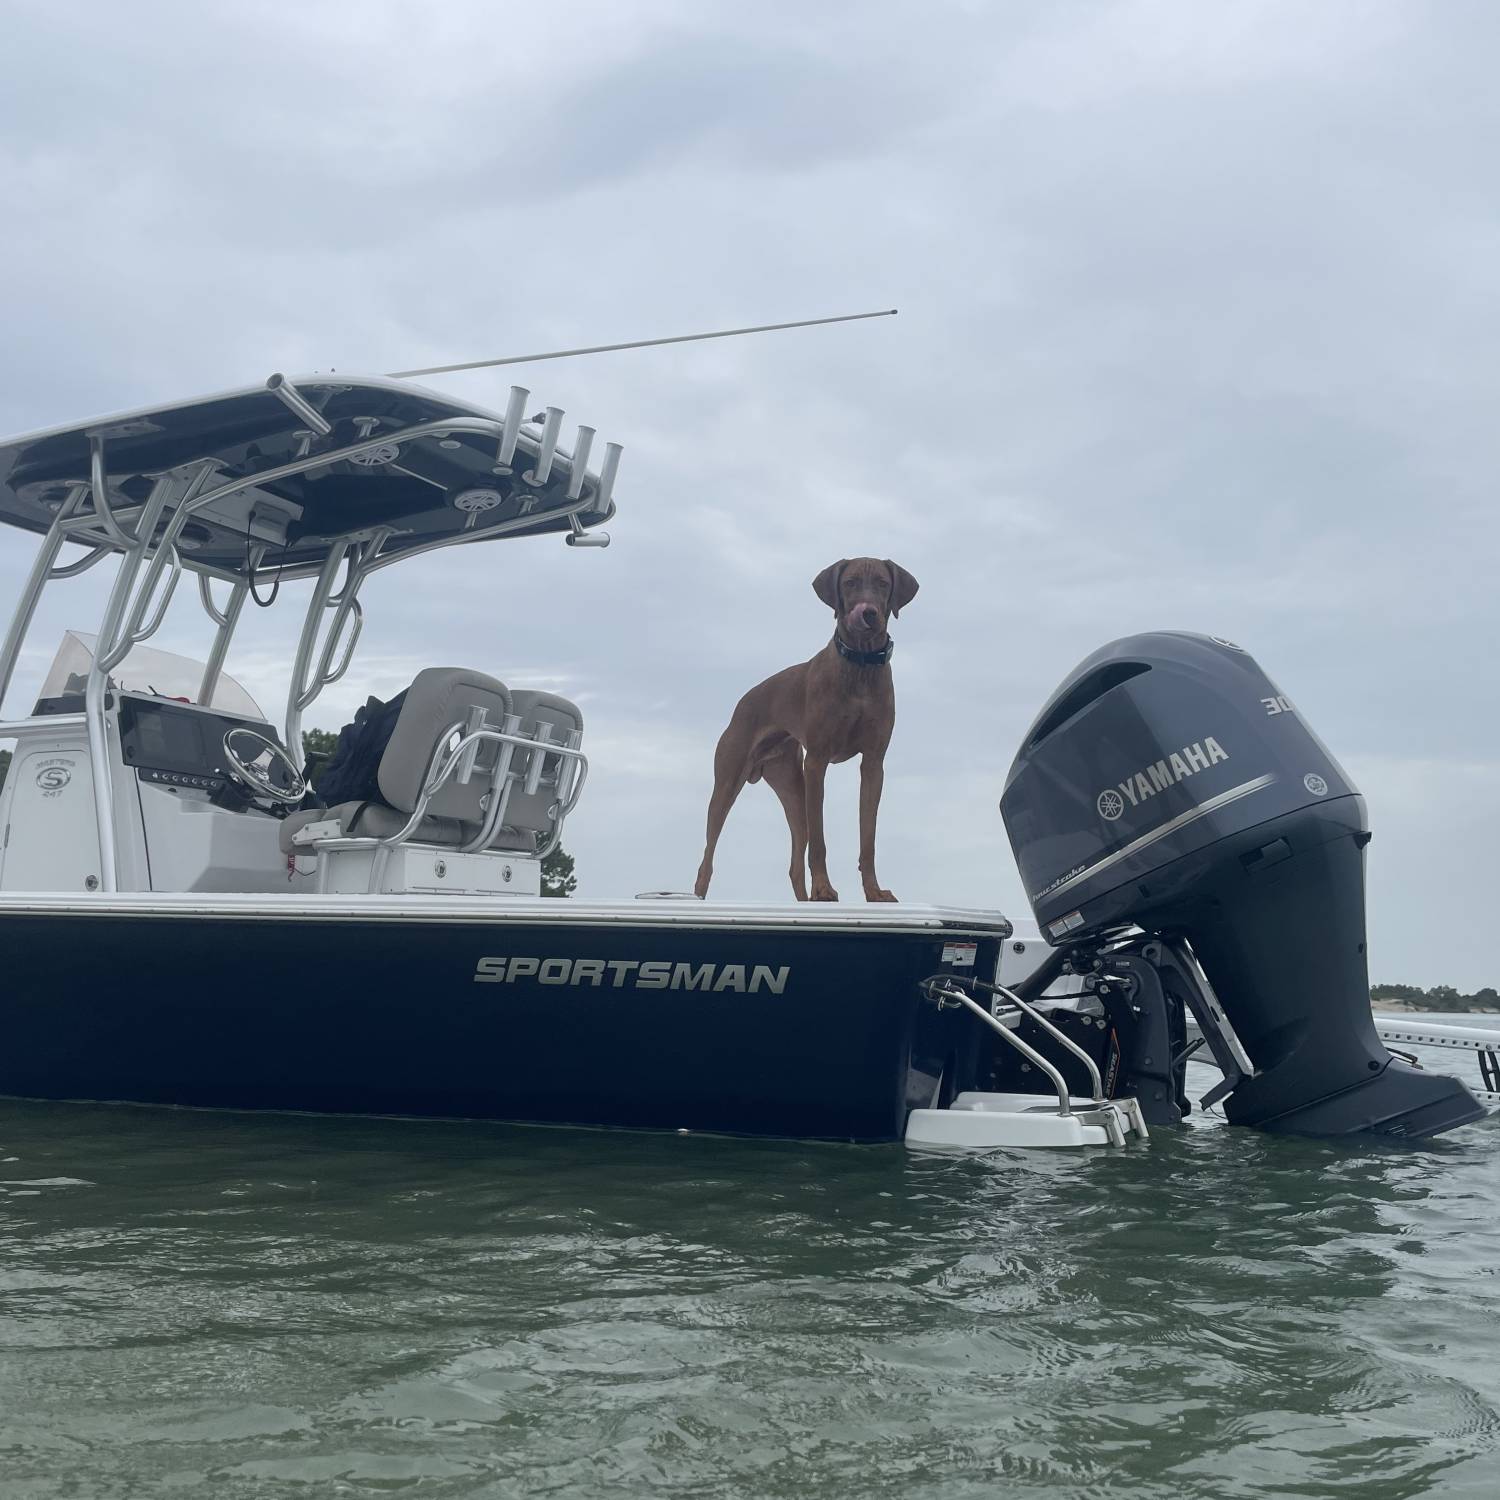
(231, 1305)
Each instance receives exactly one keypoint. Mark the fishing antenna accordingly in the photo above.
(681, 338)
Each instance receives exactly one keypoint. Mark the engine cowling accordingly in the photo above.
(1169, 785)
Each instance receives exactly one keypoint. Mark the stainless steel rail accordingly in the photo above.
(43, 569)
(225, 620)
(1064, 1041)
(952, 996)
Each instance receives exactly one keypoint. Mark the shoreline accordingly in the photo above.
(1402, 1008)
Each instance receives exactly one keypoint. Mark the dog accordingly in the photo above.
(790, 728)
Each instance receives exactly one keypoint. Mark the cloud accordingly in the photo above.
(1197, 331)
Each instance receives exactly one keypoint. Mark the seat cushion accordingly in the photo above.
(439, 699)
(373, 820)
(536, 708)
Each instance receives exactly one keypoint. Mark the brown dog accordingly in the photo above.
(793, 726)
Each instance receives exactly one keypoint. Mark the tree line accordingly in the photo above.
(1439, 997)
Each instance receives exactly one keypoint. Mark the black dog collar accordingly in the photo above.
(866, 658)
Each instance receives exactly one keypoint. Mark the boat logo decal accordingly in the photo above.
(1144, 784)
(1061, 880)
(1315, 784)
(741, 979)
(54, 776)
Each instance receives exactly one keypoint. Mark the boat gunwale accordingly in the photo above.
(914, 920)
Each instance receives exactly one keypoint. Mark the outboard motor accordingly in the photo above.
(1180, 830)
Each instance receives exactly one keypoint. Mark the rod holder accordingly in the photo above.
(551, 426)
(476, 721)
(538, 757)
(580, 469)
(578, 537)
(567, 773)
(515, 414)
(297, 403)
(607, 473)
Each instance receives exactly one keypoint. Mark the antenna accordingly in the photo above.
(681, 338)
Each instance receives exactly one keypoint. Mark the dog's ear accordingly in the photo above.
(903, 587)
(826, 584)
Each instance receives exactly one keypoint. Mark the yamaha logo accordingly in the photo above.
(1315, 784)
(1140, 786)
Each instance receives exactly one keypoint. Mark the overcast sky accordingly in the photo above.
(1198, 330)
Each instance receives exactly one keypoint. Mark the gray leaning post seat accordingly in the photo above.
(547, 717)
(440, 705)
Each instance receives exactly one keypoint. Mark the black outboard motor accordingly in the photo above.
(1168, 786)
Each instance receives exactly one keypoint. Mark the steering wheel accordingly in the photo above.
(263, 766)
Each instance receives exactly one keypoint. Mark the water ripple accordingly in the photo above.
(251, 1307)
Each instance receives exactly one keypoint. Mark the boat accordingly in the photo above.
(184, 922)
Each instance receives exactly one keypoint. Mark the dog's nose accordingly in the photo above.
(869, 617)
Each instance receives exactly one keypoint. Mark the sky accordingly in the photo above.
(1198, 326)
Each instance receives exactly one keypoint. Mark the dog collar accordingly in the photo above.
(866, 658)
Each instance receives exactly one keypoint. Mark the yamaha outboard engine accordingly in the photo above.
(1184, 835)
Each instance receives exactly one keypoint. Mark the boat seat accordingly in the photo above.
(439, 699)
(373, 820)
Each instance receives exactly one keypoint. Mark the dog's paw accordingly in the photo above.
(878, 895)
(822, 891)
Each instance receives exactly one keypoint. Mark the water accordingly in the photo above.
(232, 1305)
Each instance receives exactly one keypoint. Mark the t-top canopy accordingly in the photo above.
(271, 476)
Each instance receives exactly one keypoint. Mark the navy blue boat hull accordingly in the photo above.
(792, 1032)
